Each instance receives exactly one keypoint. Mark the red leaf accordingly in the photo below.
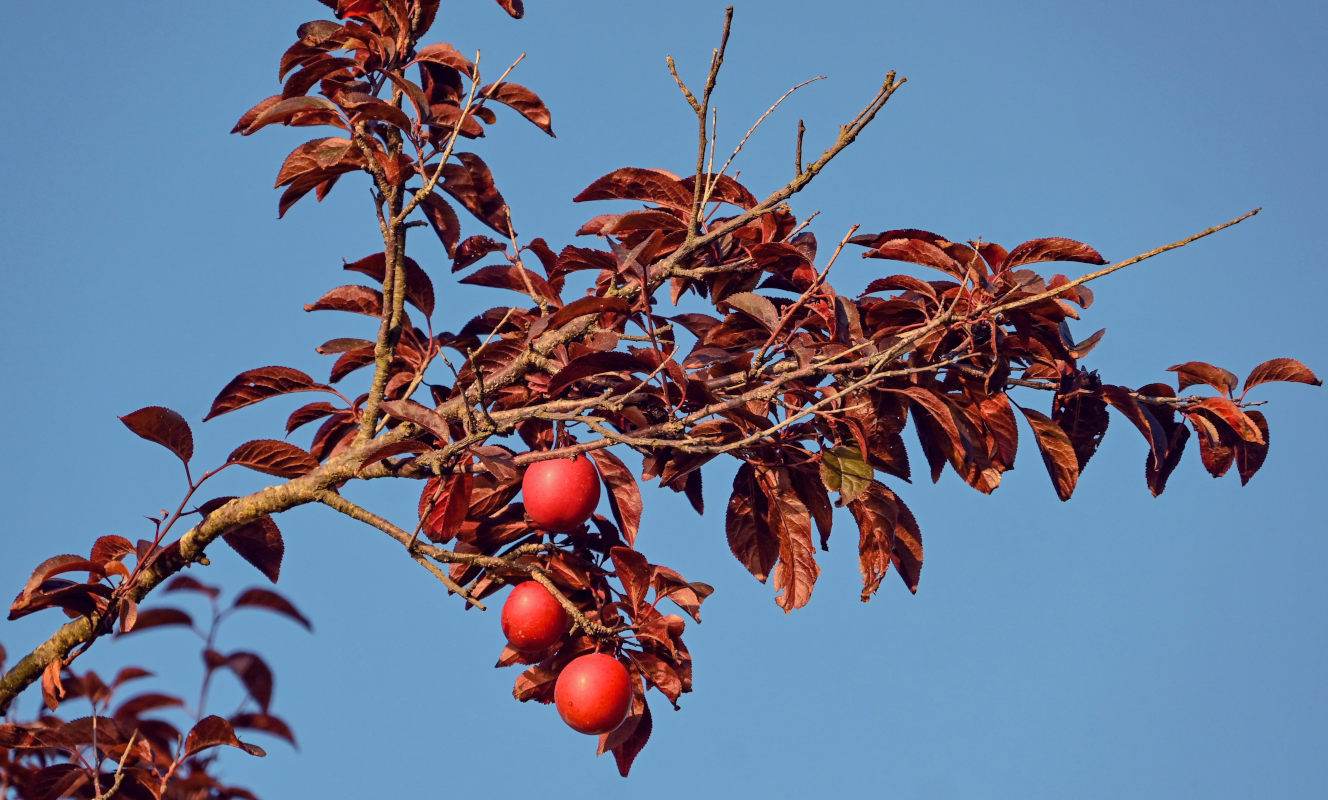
(53, 689)
(260, 544)
(1250, 456)
(918, 251)
(1051, 249)
(419, 289)
(755, 306)
(624, 493)
(595, 363)
(1157, 437)
(185, 583)
(444, 504)
(448, 56)
(213, 731)
(163, 426)
(641, 724)
(749, 534)
(355, 299)
(1217, 443)
(471, 183)
(725, 189)
(1281, 369)
(1192, 373)
(1057, 452)
(514, 277)
(443, 219)
(425, 417)
(874, 510)
(308, 413)
(317, 155)
(523, 100)
(514, 7)
(255, 674)
(796, 573)
(137, 705)
(907, 549)
(265, 598)
(158, 617)
(632, 183)
(259, 384)
(285, 111)
(635, 573)
(1233, 416)
(588, 305)
(265, 723)
(110, 548)
(273, 457)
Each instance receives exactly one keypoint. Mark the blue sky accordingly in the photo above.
(1115, 645)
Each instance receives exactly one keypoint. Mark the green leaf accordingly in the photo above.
(844, 470)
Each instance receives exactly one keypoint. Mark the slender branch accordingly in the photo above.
(1092, 276)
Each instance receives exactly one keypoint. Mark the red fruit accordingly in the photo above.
(593, 693)
(561, 493)
(533, 620)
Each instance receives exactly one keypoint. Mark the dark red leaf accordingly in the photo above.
(1192, 373)
(624, 493)
(588, 305)
(444, 505)
(471, 183)
(1217, 443)
(158, 617)
(273, 457)
(1051, 249)
(448, 56)
(523, 100)
(53, 689)
(634, 572)
(111, 548)
(355, 299)
(1138, 413)
(259, 384)
(260, 544)
(266, 723)
(875, 512)
(514, 277)
(795, 575)
(1233, 416)
(1250, 456)
(443, 219)
(308, 413)
(265, 598)
(918, 251)
(1057, 452)
(425, 417)
(213, 731)
(286, 111)
(255, 674)
(514, 7)
(163, 426)
(640, 725)
(137, 705)
(755, 306)
(745, 523)
(419, 289)
(186, 583)
(1281, 369)
(632, 183)
(724, 189)
(595, 363)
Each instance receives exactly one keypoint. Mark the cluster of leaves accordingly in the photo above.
(132, 746)
(760, 358)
